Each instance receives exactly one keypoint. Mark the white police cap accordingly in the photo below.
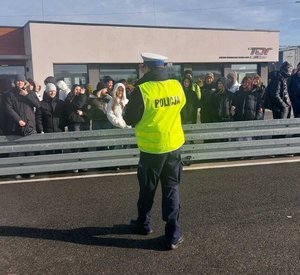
(153, 59)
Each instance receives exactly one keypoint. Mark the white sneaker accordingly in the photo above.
(18, 177)
(31, 176)
(75, 171)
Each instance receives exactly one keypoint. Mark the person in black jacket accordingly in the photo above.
(97, 108)
(76, 112)
(209, 87)
(247, 102)
(75, 102)
(189, 111)
(221, 102)
(20, 106)
(278, 96)
(294, 91)
(261, 89)
(50, 117)
(2, 115)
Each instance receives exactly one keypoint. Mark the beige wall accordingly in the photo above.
(71, 43)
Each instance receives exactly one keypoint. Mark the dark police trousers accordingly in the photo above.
(167, 168)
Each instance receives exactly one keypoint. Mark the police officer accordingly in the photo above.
(154, 109)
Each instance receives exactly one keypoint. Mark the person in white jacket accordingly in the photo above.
(115, 107)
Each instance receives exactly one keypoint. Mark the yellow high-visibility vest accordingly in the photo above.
(160, 130)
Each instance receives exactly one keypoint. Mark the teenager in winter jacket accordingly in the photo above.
(221, 102)
(76, 117)
(277, 93)
(97, 108)
(51, 113)
(20, 108)
(195, 87)
(115, 107)
(294, 91)
(248, 102)
(189, 111)
(209, 87)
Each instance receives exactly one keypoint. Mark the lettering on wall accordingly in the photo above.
(254, 53)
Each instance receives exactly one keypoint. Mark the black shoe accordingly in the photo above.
(173, 246)
(140, 229)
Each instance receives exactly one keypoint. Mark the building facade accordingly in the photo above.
(12, 55)
(290, 54)
(84, 53)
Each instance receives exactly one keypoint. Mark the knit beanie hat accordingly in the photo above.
(50, 87)
(188, 72)
(210, 74)
(223, 80)
(100, 85)
(20, 77)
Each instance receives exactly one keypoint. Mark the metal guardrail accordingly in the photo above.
(53, 152)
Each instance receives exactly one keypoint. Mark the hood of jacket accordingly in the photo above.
(124, 98)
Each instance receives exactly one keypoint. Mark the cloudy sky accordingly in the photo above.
(282, 15)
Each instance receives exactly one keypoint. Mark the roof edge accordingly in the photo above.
(143, 26)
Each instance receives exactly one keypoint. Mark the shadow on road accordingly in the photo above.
(88, 236)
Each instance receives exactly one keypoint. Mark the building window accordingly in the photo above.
(200, 70)
(7, 76)
(129, 72)
(243, 70)
(174, 71)
(71, 73)
(11, 70)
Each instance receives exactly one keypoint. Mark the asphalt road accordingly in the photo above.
(242, 220)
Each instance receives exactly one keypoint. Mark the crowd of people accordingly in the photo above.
(227, 100)
(25, 109)
(157, 108)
